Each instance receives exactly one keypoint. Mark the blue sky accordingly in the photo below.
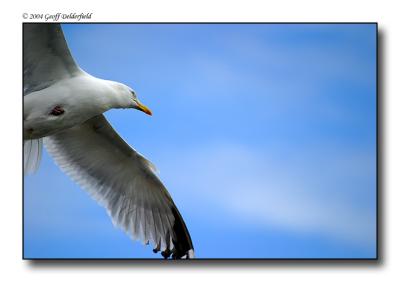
(263, 134)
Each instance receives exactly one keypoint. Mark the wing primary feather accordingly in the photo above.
(122, 181)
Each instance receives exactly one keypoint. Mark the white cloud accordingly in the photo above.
(328, 194)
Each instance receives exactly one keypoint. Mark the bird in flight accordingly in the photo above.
(63, 109)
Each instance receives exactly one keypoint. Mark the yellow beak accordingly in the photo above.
(144, 109)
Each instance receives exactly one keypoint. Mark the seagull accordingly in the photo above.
(63, 109)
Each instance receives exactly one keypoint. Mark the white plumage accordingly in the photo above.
(63, 105)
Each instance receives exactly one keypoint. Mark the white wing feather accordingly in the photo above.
(122, 181)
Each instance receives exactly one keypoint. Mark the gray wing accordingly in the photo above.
(122, 181)
(47, 58)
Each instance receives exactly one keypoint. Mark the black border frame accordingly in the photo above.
(379, 128)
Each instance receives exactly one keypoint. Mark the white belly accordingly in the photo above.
(78, 105)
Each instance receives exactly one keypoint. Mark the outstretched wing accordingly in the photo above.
(47, 58)
(124, 182)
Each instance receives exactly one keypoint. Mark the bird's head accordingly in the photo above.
(137, 105)
(128, 99)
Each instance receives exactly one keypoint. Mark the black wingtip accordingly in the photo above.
(182, 241)
(183, 246)
(165, 254)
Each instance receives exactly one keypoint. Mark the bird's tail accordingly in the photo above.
(32, 155)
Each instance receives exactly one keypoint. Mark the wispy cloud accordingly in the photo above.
(268, 130)
(320, 193)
